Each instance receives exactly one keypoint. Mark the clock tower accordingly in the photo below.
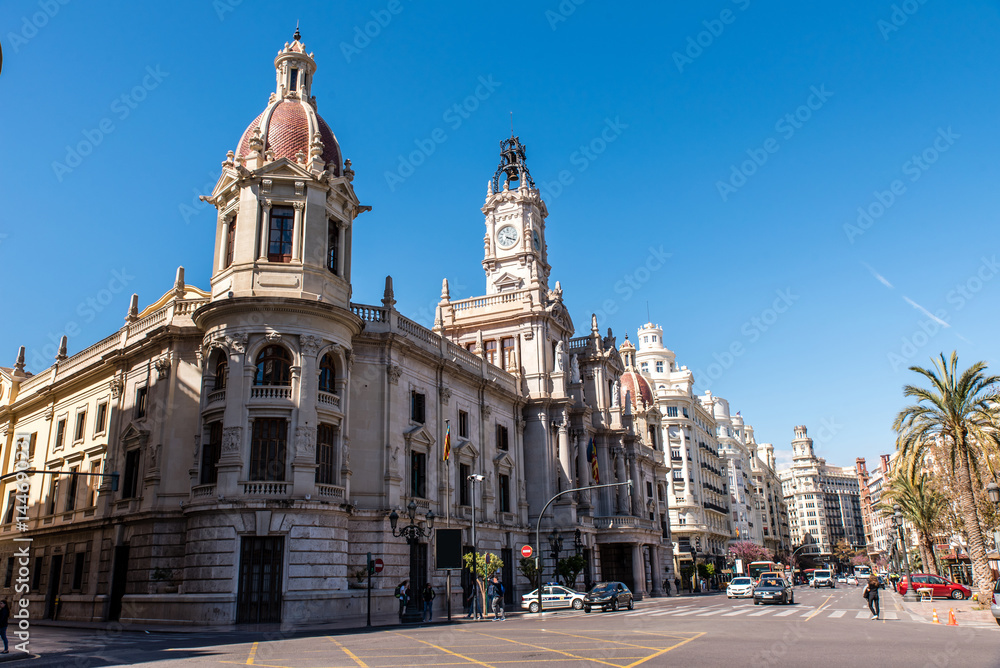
(514, 256)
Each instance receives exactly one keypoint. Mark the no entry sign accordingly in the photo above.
(378, 565)
(526, 551)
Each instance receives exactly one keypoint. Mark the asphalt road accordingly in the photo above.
(823, 628)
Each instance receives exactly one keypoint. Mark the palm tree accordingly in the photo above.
(956, 414)
(921, 505)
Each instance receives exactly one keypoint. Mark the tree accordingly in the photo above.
(859, 560)
(569, 569)
(749, 552)
(486, 565)
(528, 570)
(921, 505)
(842, 551)
(957, 415)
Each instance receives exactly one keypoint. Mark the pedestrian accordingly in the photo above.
(4, 618)
(677, 583)
(403, 594)
(702, 585)
(496, 597)
(428, 596)
(871, 595)
(475, 605)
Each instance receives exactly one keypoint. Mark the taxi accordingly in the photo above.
(553, 596)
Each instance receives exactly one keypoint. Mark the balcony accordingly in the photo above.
(202, 491)
(620, 522)
(330, 492)
(217, 395)
(267, 489)
(327, 399)
(270, 392)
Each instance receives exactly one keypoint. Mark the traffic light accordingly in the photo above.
(371, 565)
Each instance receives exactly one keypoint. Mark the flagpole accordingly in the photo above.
(447, 474)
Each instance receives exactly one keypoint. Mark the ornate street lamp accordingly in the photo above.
(412, 532)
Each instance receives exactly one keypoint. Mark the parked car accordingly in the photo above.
(994, 607)
(608, 596)
(823, 578)
(773, 590)
(842, 579)
(851, 580)
(740, 588)
(942, 588)
(553, 596)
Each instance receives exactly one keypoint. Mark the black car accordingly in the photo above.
(608, 596)
(773, 590)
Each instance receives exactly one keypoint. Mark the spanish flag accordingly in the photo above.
(447, 442)
(592, 458)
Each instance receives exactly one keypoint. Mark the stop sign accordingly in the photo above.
(526, 551)
(378, 565)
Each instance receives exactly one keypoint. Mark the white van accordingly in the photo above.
(824, 578)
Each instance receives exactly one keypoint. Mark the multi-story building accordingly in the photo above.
(769, 500)
(823, 501)
(878, 524)
(262, 432)
(736, 449)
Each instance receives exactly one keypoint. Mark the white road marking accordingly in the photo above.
(709, 613)
(785, 613)
(736, 612)
(758, 614)
(864, 614)
(838, 613)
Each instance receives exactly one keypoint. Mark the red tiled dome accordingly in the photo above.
(636, 387)
(288, 133)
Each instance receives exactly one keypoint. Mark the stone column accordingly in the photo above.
(581, 443)
(223, 245)
(620, 473)
(656, 570)
(265, 226)
(297, 229)
(565, 462)
(637, 506)
(638, 573)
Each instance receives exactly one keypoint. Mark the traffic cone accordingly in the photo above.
(935, 619)
(951, 617)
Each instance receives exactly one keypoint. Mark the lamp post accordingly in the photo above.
(694, 576)
(555, 542)
(474, 478)
(412, 533)
(897, 515)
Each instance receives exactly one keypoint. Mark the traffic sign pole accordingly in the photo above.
(371, 567)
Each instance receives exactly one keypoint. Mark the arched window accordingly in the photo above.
(327, 374)
(221, 371)
(273, 367)
(333, 246)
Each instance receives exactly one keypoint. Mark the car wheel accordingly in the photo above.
(614, 605)
(533, 607)
(998, 620)
(791, 600)
(631, 604)
(957, 595)
(577, 604)
(728, 596)
(586, 609)
(756, 602)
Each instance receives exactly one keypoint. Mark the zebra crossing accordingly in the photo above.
(791, 612)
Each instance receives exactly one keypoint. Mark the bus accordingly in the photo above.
(757, 567)
(862, 572)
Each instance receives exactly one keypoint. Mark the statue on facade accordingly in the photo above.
(615, 391)
(559, 364)
(574, 369)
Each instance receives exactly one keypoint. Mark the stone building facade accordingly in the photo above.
(262, 431)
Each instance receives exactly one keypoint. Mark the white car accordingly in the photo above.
(740, 588)
(842, 579)
(553, 596)
(851, 580)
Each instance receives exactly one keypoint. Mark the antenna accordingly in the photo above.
(512, 124)
(648, 319)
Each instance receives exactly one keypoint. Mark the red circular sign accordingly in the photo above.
(526, 551)
(379, 564)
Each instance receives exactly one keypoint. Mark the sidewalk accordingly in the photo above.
(964, 610)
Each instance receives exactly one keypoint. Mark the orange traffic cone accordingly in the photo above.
(951, 617)
(934, 618)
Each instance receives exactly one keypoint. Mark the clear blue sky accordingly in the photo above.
(680, 115)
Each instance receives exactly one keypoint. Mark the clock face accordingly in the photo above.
(535, 240)
(507, 236)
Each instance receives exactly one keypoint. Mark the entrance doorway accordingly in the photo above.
(616, 564)
(119, 577)
(258, 600)
(52, 593)
(418, 574)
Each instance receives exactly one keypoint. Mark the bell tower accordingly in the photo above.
(514, 254)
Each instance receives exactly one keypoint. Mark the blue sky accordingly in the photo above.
(744, 139)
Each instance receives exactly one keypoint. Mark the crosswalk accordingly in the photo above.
(798, 611)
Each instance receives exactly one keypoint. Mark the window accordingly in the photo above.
(502, 443)
(685, 411)
(36, 576)
(507, 353)
(417, 407)
(464, 471)
(60, 433)
(325, 469)
(31, 445)
(221, 371)
(279, 238)
(671, 411)
(332, 246)
(659, 367)
(418, 475)
(675, 453)
(78, 561)
(267, 449)
(130, 479)
(94, 486)
(231, 241)
(644, 366)
(101, 419)
(678, 475)
(503, 493)
(81, 425)
(53, 496)
(210, 455)
(11, 505)
(140, 402)
(652, 436)
(8, 578)
(274, 366)
(463, 424)
(293, 80)
(491, 352)
(74, 481)
(649, 490)
(327, 374)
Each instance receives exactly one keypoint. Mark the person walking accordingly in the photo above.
(475, 609)
(4, 618)
(403, 594)
(496, 597)
(677, 584)
(871, 595)
(428, 596)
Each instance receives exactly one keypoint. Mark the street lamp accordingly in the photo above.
(897, 515)
(412, 533)
(694, 576)
(474, 478)
(555, 542)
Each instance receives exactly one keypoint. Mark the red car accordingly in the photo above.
(942, 588)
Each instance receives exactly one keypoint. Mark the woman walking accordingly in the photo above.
(4, 618)
(871, 594)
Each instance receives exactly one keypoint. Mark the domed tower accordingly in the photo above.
(654, 359)
(802, 446)
(286, 204)
(634, 388)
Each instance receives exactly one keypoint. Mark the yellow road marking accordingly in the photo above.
(663, 651)
(819, 609)
(547, 649)
(349, 653)
(617, 642)
(445, 650)
(253, 653)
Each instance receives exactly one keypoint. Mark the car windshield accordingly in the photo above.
(769, 583)
(822, 574)
(741, 581)
(603, 587)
